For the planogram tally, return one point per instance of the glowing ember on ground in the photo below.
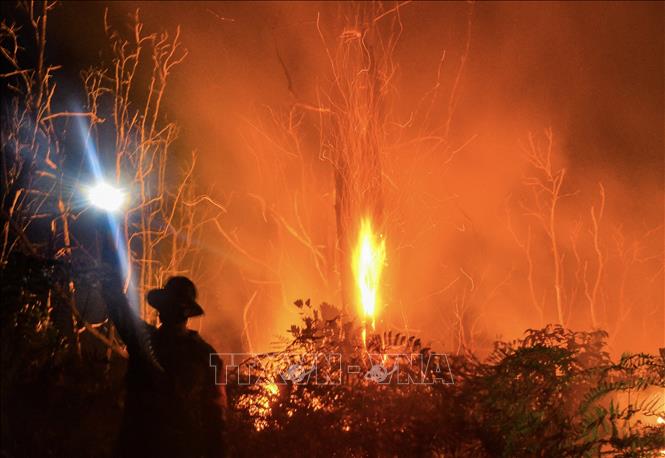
(259, 404)
(369, 256)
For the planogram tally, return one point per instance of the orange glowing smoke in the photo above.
(369, 257)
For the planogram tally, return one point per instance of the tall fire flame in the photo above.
(369, 256)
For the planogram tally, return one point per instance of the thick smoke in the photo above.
(591, 72)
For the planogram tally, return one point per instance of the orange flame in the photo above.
(369, 257)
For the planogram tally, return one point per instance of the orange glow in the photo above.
(259, 405)
(437, 154)
(661, 421)
(369, 257)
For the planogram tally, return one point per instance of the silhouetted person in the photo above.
(173, 407)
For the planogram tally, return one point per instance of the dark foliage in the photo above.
(60, 391)
(554, 392)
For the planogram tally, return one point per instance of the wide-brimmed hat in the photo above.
(177, 295)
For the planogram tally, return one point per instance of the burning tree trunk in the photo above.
(352, 204)
(357, 132)
(362, 69)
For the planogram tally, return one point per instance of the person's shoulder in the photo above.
(201, 342)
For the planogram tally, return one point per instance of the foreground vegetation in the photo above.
(555, 392)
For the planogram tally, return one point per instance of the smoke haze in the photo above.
(592, 72)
